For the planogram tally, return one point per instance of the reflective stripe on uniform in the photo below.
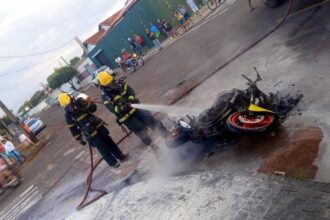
(131, 98)
(77, 137)
(107, 102)
(99, 125)
(132, 111)
(88, 105)
(123, 119)
(71, 125)
(94, 134)
(117, 97)
(126, 87)
(117, 110)
(81, 117)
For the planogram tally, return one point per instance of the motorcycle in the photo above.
(235, 112)
(12, 180)
(136, 59)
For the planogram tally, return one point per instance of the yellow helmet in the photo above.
(104, 78)
(64, 99)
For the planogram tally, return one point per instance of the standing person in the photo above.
(178, 16)
(139, 42)
(168, 28)
(11, 151)
(159, 24)
(184, 11)
(192, 5)
(155, 30)
(133, 46)
(118, 96)
(154, 39)
(85, 126)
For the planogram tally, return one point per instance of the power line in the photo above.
(35, 54)
(26, 68)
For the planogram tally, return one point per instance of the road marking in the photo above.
(79, 155)
(21, 203)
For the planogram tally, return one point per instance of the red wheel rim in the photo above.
(251, 121)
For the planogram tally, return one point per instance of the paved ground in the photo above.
(295, 54)
(214, 195)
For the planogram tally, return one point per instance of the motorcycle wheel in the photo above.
(180, 30)
(14, 182)
(212, 4)
(272, 3)
(140, 61)
(143, 52)
(244, 122)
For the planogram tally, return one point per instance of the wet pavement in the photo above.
(295, 57)
(213, 195)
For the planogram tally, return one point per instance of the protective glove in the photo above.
(82, 142)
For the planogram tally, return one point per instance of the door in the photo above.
(103, 59)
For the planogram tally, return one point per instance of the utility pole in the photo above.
(85, 50)
(66, 62)
(16, 121)
(6, 128)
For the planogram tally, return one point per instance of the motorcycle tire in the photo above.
(212, 4)
(272, 3)
(180, 30)
(243, 122)
(143, 52)
(140, 62)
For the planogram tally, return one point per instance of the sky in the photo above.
(33, 26)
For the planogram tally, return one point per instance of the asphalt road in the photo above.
(297, 53)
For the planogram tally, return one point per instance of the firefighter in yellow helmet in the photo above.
(85, 126)
(118, 96)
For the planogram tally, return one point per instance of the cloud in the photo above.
(33, 26)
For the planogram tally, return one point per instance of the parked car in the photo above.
(35, 124)
(101, 69)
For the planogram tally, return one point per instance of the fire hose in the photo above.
(93, 167)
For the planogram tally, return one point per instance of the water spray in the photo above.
(168, 109)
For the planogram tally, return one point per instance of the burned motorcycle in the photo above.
(249, 111)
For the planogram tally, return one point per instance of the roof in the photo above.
(110, 23)
(97, 37)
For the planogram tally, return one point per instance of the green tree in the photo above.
(6, 120)
(37, 97)
(74, 61)
(60, 76)
(25, 104)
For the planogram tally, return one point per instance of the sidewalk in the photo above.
(204, 11)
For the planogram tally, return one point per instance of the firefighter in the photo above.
(118, 96)
(84, 126)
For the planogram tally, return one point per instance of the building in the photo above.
(105, 45)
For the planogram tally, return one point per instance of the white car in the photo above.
(35, 124)
(101, 69)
